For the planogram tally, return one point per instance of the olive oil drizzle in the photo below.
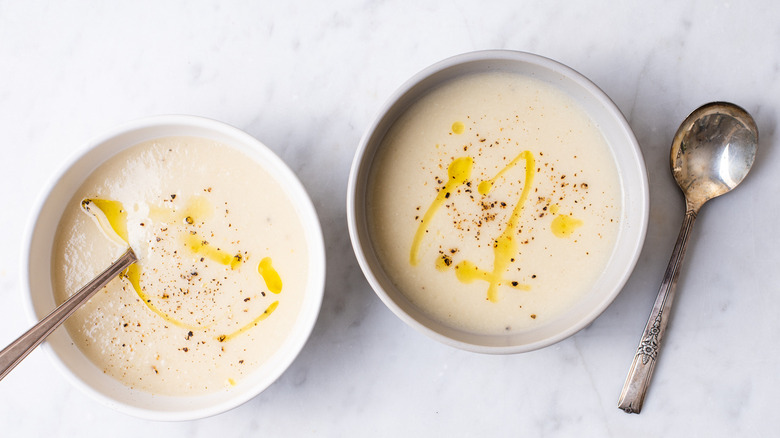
(458, 128)
(266, 313)
(197, 208)
(133, 275)
(564, 225)
(458, 172)
(204, 248)
(505, 246)
(486, 186)
(111, 217)
(270, 276)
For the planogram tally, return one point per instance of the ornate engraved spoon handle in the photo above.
(20, 348)
(638, 379)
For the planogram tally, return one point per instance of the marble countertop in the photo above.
(306, 78)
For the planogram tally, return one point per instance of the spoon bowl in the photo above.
(712, 152)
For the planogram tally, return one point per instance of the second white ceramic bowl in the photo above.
(633, 186)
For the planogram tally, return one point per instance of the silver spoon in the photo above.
(20, 348)
(712, 152)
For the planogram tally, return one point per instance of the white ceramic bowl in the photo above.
(632, 176)
(38, 255)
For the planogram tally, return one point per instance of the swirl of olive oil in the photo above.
(565, 225)
(505, 246)
(458, 172)
(111, 217)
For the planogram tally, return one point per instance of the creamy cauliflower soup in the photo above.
(493, 203)
(220, 277)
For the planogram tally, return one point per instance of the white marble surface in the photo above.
(306, 78)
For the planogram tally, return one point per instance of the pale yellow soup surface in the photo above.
(221, 272)
(492, 259)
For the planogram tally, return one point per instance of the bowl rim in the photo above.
(365, 150)
(296, 193)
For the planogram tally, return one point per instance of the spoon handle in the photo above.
(20, 348)
(638, 379)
